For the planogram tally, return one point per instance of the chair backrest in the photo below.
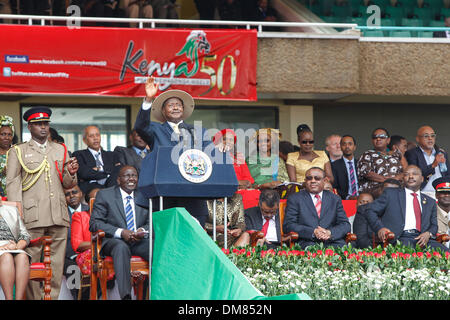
(16, 204)
(91, 204)
(282, 207)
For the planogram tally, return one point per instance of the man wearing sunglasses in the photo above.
(317, 215)
(429, 158)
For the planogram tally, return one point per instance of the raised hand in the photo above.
(151, 88)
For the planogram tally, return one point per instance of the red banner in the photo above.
(209, 64)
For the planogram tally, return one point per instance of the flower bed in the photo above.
(394, 273)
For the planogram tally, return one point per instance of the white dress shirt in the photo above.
(271, 234)
(437, 173)
(410, 217)
(124, 196)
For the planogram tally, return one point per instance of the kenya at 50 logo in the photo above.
(198, 67)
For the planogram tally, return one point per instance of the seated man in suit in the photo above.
(96, 164)
(73, 197)
(265, 217)
(345, 170)
(317, 215)
(442, 187)
(429, 158)
(133, 154)
(364, 233)
(407, 212)
(124, 224)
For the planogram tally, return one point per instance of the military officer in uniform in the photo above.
(37, 171)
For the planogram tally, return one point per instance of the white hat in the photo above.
(188, 104)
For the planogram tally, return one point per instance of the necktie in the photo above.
(417, 211)
(318, 205)
(129, 214)
(176, 129)
(265, 226)
(142, 154)
(352, 178)
(99, 164)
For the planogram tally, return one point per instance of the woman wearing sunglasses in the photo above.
(378, 164)
(299, 162)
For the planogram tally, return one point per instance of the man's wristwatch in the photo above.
(431, 235)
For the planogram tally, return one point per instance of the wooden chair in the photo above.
(441, 238)
(289, 238)
(39, 271)
(103, 267)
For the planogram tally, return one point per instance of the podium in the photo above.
(160, 175)
(172, 172)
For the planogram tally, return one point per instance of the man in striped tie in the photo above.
(317, 215)
(125, 226)
(345, 170)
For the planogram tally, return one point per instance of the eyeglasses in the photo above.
(68, 193)
(307, 141)
(428, 136)
(317, 178)
(380, 136)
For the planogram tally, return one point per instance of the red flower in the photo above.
(319, 252)
(226, 251)
(329, 252)
(345, 253)
(329, 263)
(420, 254)
(249, 253)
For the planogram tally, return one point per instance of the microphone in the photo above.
(190, 129)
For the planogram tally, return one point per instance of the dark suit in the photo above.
(389, 211)
(86, 173)
(254, 221)
(301, 217)
(340, 174)
(161, 134)
(108, 214)
(415, 156)
(364, 233)
(127, 156)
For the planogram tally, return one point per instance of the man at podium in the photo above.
(170, 108)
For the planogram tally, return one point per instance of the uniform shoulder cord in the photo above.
(32, 175)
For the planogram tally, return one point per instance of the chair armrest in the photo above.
(41, 241)
(255, 235)
(442, 237)
(350, 237)
(290, 238)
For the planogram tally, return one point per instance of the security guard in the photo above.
(442, 187)
(36, 173)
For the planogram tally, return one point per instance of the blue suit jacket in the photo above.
(301, 216)
(415, 156)
(389, 211)
(161, 134)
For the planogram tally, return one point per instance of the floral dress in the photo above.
(384, 165)
(3, 175)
